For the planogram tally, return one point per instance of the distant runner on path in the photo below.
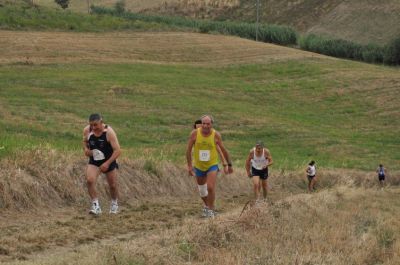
(204, 142)
(100, 144)
(381, 174)
(311, 176)
(257, 163)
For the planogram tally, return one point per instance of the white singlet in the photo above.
(311, 170)
(259, 162)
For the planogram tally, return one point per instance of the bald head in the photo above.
(207, 118)
(206, 124)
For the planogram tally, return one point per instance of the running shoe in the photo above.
(204, 211)
(210, 213)
(114, 208)
(95, 210)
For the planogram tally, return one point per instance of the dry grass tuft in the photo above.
(44, 177)
(347, 221)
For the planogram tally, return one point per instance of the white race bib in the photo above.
(98, 155)
(204, 155)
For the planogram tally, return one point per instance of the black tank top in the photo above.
(100, 143)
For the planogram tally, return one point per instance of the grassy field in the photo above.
(150, 87)
(340, 113)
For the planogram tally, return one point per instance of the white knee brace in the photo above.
(203, 190)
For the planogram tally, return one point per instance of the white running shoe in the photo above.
(210, 213)
(204, 212)
(114, 208)
(95, 210)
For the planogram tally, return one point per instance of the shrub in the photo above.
(120, 7)
(63, 3)
(370, 53)
(373, 53)
(392, 52)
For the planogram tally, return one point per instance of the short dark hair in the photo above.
(260, 143)
(196, 122)
(95, 117)
(312, 162)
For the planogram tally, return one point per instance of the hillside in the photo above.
(43, 217)
(344, 113)
(132, 5)
(150, 87)
(362, 21)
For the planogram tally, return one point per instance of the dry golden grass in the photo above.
(348, 221)
(128, 47)
(340, 226)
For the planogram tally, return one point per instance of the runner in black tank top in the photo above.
(102, 150)
(100, 145)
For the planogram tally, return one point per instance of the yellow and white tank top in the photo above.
(205, 151)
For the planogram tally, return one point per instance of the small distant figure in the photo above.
(381, 174)
(257, 163)
(311, 176)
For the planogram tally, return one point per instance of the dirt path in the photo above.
(24, 235)
(27, 236)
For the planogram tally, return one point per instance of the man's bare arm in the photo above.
(112, 138)
(269, 157)
(248, 163)
(85, 145)
(218, 141)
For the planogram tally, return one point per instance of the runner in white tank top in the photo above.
(257, 163)
(311, 172)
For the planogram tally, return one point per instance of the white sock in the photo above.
(96, 202)
(115, 202)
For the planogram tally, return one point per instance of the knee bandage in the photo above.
(203, 190)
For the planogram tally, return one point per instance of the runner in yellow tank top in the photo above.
(205, 151)
(205, 141)
(197, 124)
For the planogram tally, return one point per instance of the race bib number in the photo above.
(204, 155)
(98, 155)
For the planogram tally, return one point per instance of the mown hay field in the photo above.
(150, 87)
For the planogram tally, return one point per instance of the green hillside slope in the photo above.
(152, 86)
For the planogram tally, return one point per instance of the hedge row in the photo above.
(371, 53)
(268, 33)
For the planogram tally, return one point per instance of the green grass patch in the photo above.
(293, 107)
